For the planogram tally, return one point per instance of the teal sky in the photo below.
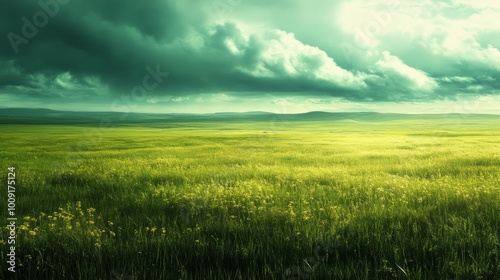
(284, 56)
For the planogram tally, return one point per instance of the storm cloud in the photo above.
(92, 52)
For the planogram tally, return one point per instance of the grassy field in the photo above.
(360, 197)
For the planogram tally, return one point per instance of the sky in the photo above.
(288, 56)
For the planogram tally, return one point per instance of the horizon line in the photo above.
(242, 112)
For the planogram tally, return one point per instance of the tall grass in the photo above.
(313, 200)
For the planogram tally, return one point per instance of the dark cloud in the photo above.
(247, 48)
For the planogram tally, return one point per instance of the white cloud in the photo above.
(457, 79)
(231, 45)
(273, 53)
(283, 55)
(458, 37)
(395, 69)
(449, 29)
(463, 45)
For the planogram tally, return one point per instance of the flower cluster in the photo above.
(70, 224)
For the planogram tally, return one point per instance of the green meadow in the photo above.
(313, 196)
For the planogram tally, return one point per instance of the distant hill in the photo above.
(45, 116)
